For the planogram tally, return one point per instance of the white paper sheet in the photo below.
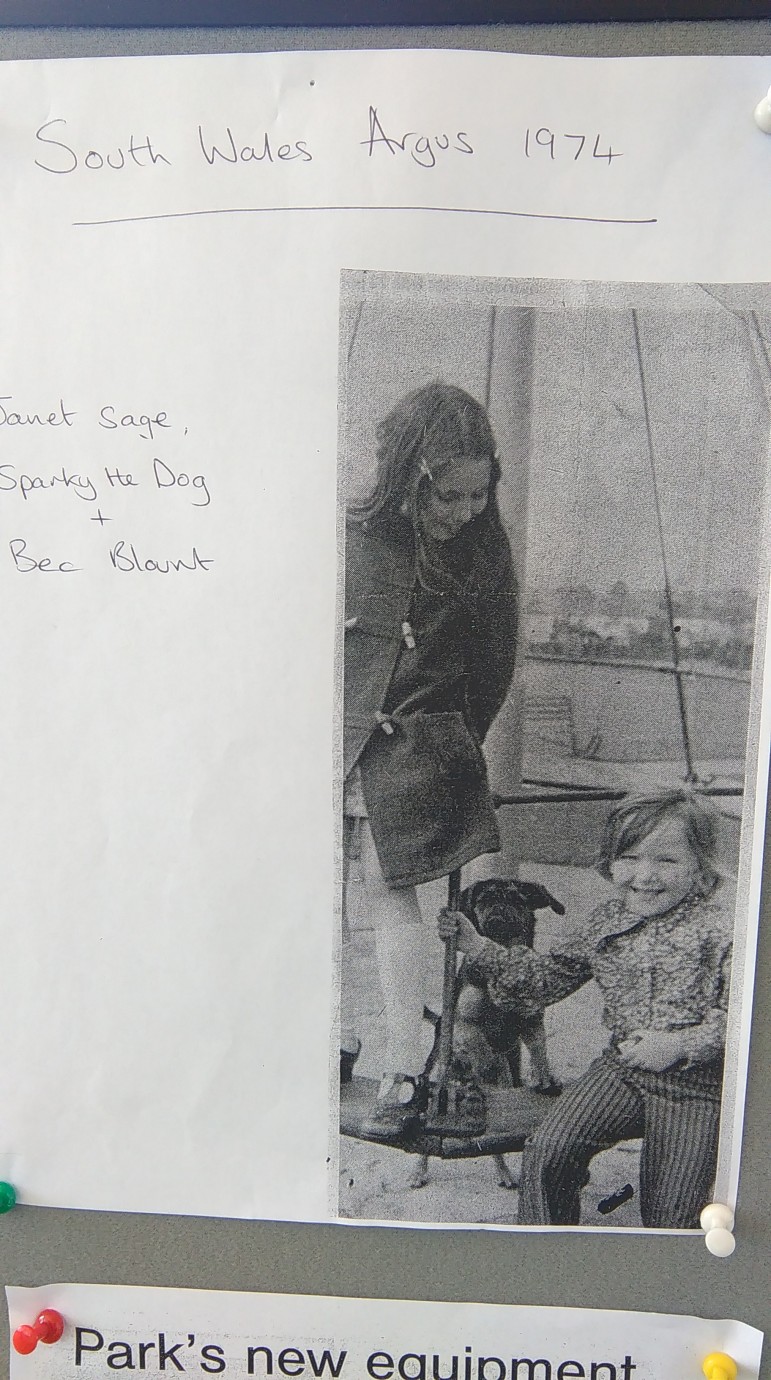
(174, 231)
(219, 1333)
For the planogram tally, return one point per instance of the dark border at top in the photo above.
(315, 13)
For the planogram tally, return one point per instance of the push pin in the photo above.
(717, 1221)
(7, 1197)
(47, 1327)
(763, 113)
(718, 1366)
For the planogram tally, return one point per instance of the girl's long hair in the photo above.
(419, 436)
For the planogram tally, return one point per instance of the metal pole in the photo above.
(580, 796)
(668, 603)
(448, 997)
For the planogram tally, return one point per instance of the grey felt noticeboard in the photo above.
(574, 1269)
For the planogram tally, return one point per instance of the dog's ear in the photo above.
(538, 898)
(467, 900)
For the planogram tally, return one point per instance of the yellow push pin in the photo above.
(718, 1366)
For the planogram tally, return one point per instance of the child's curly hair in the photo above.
(639, 815)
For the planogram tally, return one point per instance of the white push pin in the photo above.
(717, 1221)
(763, 113)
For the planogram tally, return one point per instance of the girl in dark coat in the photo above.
(430, 622)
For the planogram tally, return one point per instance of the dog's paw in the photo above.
(503, 1175)
(548, 1087)
(420, 1175)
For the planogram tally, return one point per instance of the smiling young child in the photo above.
(659, 951)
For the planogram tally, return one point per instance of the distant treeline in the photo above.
(577, 622)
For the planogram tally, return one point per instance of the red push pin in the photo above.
(25, 1340)
(47, 1327)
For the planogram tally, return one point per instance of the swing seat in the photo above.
(512, 1115)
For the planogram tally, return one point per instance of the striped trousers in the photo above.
(677, 1114)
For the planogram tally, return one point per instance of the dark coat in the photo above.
(423, 773)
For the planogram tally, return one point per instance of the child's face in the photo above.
(458, 493)
(658, 872)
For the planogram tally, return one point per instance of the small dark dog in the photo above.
(486, 1040)
(503, 911)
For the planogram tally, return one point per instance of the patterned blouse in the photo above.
(667, 972)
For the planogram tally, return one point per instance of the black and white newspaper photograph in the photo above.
(555, 572)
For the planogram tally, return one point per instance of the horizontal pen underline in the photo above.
(445, 210)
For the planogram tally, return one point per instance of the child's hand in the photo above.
(454, 922)
(654, 1050)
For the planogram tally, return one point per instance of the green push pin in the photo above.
(7, 1197)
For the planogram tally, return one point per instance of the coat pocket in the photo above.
(428, 799)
